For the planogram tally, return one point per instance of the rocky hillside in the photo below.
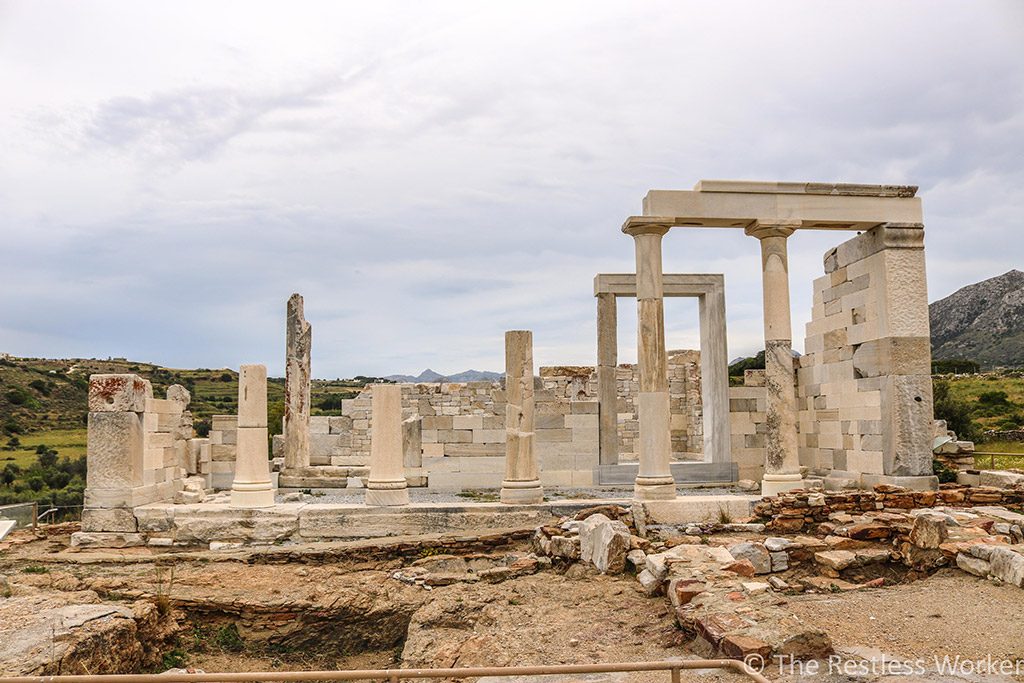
(982, 322)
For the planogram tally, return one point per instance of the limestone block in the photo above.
(973, 565)
(114, 450)
(162, 406)
(489, 436)
(907, 407)
(338, 424)
(85, 539)
(223, 423)
(755, 553)
(118, 393)
(468, 422)
(179, 394)
(604, 543)
(929, 531)
(893, 356)
(109, 520)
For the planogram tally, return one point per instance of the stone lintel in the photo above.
(687, 208)
(783, 187)
(674, 284)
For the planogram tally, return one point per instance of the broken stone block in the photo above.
(118, 393)
(741, 567)
(1007, 566)
(774, 544)
(604, 543)
(780, 561)
(973, 565)
(650, 583)
(778, 583)
(835, 559)
(740, 647)
(567, 547)
(681, 591)
(755, 553)
(637, 559)
(929, 531)
(179, 394)
(755, 587)
(85, 539)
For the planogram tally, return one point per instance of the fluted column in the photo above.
(607, 368)
(386, 484)
(782, 462)
(251, 486)
(522, 474)
(654, 480)
(298, 344)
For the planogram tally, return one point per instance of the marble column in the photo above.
(299, 337)
(386, 484)
(522, 474)
(781, 462)
(607, 367)
(654, 480)
(251, 487)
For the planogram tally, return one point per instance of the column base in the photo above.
(774, 484)
(654, 488)
(387, 497)
(521, 492)
(253, 497)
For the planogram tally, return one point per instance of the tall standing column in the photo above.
(714, 369)
(299, 338)
(654, 480)
(607, 367)
(781, 462)
(251, 487)
(386, 484)
(522, 475)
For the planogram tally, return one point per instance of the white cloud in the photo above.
(429, 175)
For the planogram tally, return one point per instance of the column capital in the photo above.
(763, 229)
(640, 225)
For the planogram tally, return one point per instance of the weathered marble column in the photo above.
(386, 484)
(299, 337)
(654, 480)
(251, 487)
(607, 367)
(782, 462)
(522, 474)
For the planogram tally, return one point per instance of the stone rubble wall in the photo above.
(806, 511)
(864, 383)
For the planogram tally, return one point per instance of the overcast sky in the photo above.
(429, 175)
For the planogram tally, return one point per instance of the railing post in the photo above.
(676, 678)
(35, 517)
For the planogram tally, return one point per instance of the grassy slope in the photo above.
(61, 403)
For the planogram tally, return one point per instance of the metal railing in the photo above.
(395, 675)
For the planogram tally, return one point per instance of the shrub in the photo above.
(40, 386)
(18, 396)
(945, 474)
(993, 398)
(956, 413)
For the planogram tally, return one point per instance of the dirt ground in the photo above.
(243, 616)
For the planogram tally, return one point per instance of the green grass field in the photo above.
(68, 443)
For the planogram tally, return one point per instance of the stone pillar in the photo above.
(386, 484)
(782, 462)
(654, 480)
(114, 482)
(607, 367)
(522, 474)
(251, 487)
(714, 368)
(299, 337)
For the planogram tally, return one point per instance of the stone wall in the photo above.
(462, 427)
(747, 424)
(219, 469)
(140, 450)
(864, 383)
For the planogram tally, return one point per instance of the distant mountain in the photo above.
(983, 322)
(429, 375)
